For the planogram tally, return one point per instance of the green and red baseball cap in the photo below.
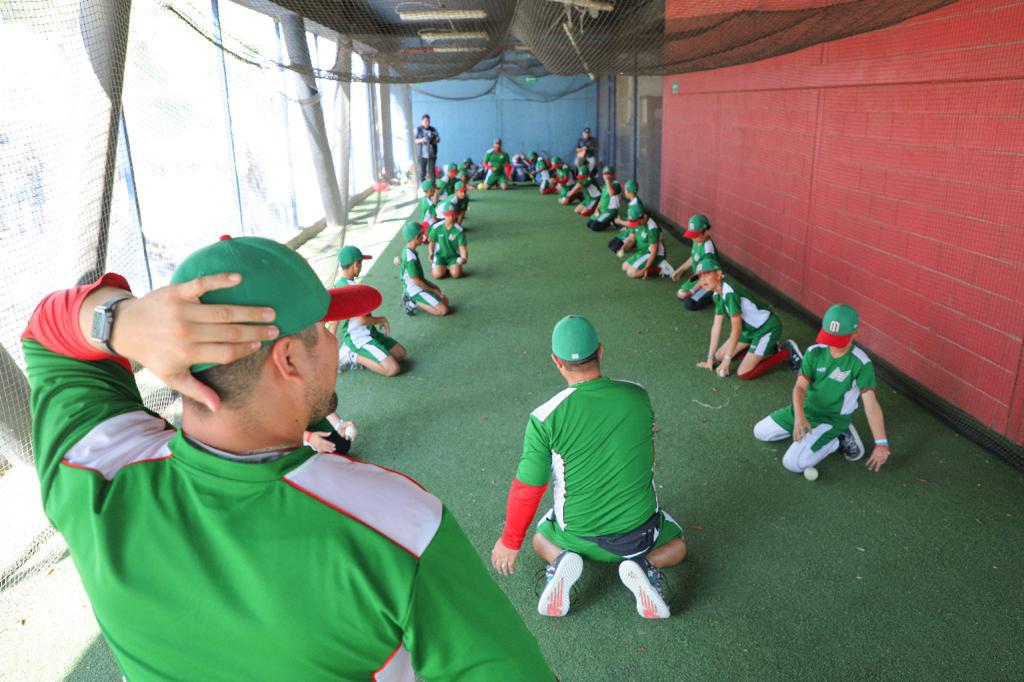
(634, 212)
(838, 326)
(607, 170)
(411, 231)
(277, 277)
(556, 160)
(697, 225)
(706, 264)
(427, 185)
(350, 254)
(574, 338)
(460, 185)
(631, 186)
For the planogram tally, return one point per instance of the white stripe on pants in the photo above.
(799, 455)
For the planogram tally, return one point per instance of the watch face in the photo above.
(100, 325)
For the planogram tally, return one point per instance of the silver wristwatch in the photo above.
(103, 322)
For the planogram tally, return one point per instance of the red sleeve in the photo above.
(508, 170)
(523, 501)
(54, 323)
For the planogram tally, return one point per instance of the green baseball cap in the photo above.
(574, 338)
(532, 155)
(616, 187)
(556, 160)
(698, 223)
(497, 140)
(453, 167)
(275, 276)
(411, 231)
(706, 264)
(467, 161)
(460, 185)
(440, 183)
(350, 254)
(634, 212)
(631, 186)
(427, 185)
(541, 164)
(838, 326)
(607, 170)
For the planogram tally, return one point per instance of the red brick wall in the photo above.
(886, 171)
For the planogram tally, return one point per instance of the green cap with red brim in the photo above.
(350, 254)
(411, 231)
(634, 212)
(573, 339)
(697, 225)
(277, 277)
(607, 170)
(706, 264)
(838, 326)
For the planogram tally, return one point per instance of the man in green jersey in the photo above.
(448, 252)
(364, 338)
(691, 293)
(417, 291)
(754, 328)
(227, 548)
(498, 165)
(834, 375)
(645, 235)
(605, 505)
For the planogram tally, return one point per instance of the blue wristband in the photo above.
(882, 441)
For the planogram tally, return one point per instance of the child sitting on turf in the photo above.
(364, 339)
(834, 375)
(448, 182)
(448, 252)
(471, 171)
(544, 177)
(498, 165)
(579, 191)
(338, 440)
(754, 328)
(416, 290)
(650, 250)
(458, 204)
(691, 293)
(562, 177)
(608, 203)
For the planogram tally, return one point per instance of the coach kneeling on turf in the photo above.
(603, 473)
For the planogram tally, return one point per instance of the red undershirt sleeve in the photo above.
(523, 501)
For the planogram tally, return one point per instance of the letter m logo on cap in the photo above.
(834, 326)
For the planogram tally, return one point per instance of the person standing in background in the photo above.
(427, 140)
(586, 150)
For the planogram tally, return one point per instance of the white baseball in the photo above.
(811, 474)
(398, 261)
(460, 260)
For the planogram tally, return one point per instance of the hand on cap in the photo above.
(169, 330)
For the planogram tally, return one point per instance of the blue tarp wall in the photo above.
(545, 115)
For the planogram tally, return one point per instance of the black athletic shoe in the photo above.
(851, 445)
(408, 305)
(795, 356)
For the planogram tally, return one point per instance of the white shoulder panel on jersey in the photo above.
(119, 441)
(727, 288)
(383, 500)
(709, 247)
(627, 381)
(398, 668)
(813, 346)
(545, 410)
(861, 355)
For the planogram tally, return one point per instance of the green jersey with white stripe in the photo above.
(698, 250)
(836, 383)
(447, 240)
(594, 442)
(606, 204)
(204, 565)
(735, 300)
(427, 209)
(647, 235)
(411, 268)
(354, 334)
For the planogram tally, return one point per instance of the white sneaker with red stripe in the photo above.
(561, 575)
(643, 580)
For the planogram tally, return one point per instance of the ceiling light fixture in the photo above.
(437, 36)
(459, 48)
(595, 5)
(441, 14)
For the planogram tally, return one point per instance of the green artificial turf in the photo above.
(911, 573)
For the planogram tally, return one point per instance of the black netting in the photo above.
(535, 37)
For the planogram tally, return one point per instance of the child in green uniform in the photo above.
(448, 181)
(645, 235)
(754, 328)
(834, 375)
(563, 182)
(364, 339)
(448, 252)
(608, 203)
(416, 290)
(498, 165)
(580, 191)
(602, 474)
(691, 293)
(427, 211)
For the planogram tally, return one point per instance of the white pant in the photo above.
(799, 455)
